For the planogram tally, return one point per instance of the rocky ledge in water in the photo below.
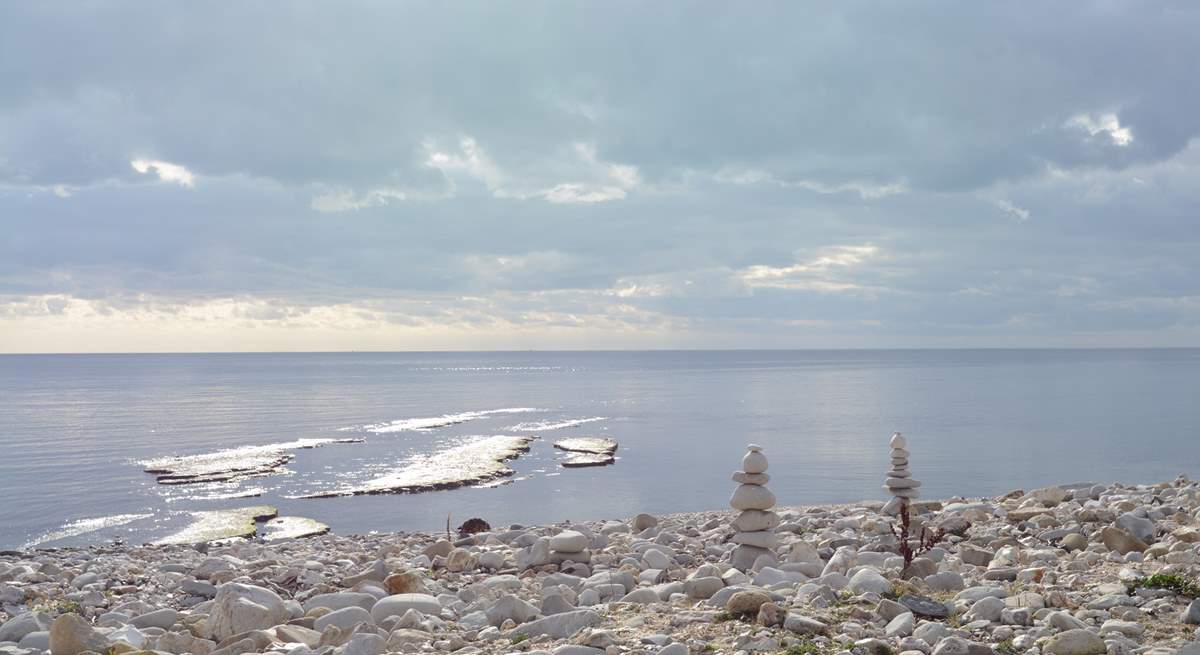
(232, 463)
(478, 461)
(222, 524)
(1073, 570)
(587, 451)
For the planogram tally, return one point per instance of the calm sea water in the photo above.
(74, 427)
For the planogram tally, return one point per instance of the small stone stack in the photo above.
(899, 482)
(570, 546)
(755, 525)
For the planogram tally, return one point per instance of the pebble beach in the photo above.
(1079, 569)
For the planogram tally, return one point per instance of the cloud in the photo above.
(1106, 124)
(864, 190)
(166, 171)
(395, 170)
(1008, 207)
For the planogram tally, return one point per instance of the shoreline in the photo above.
(1060, 570)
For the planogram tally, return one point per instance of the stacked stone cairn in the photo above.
(899, 481)
(570, 546)
(754, 527)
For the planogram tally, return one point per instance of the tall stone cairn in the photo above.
(900, 482)
(755, 524)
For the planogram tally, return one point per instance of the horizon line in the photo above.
(593, 350)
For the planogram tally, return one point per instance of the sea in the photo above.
(77, 432)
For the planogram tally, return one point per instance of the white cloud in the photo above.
(865, 190)
(602, 181)
(1008, 207)
(574, 194)
(470, 159)
(166, 171)
(821, 273)
(1107, 124)
(341, 200)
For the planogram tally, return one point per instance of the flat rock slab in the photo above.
(559, 626)
(292, 527)
(473, 462)
(231, 464)
(222, 524)
(580, 460)
(593, 445)
(924, 607)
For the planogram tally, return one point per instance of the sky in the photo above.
(249, 176)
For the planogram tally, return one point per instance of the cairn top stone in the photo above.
(898, 441)
(754, 462)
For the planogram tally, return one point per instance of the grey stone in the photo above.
(804, 625)
(1075, 642)
(345, 618)
(559, 626)
(1191, 615)
(924, 607)
(398, 604)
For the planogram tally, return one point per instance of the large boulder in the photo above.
(1121, 541)
(71, 635)
(1138, 526)
(240, 608)
(1075, 642)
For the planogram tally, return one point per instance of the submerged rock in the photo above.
(481, 460)
(222, 524)
(292, 527)
(231, 463)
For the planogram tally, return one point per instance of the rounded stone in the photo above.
(568, 541)
(750, 478)
(902, 483)
(754, 448)
(898, 441)
(754, 462)
(746, 602)
(761, 539)
(755, 520)
(1075, 642)
(752, 496)
(644, 522)
(345, 618)
(406, 582)
(398, 604)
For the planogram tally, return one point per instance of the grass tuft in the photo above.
(1174, 582)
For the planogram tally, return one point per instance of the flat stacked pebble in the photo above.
(900, 482)
(755, 526)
